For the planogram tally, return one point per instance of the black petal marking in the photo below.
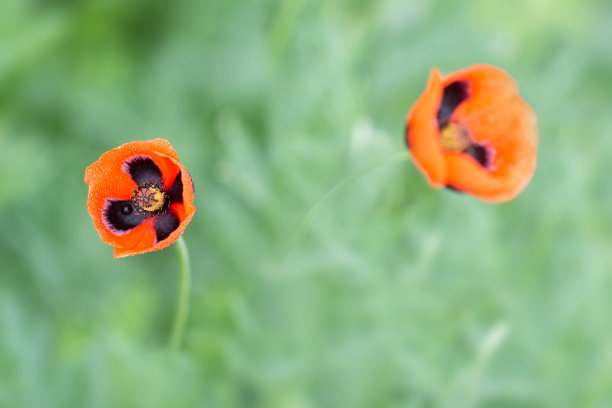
(142, 169)
(175, 192)
(165, 224)
(454, 94)
(478, 152)
(119, 216)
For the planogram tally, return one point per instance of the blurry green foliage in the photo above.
(398, 296)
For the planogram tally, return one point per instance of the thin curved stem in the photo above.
(182, 304)
(316, 209)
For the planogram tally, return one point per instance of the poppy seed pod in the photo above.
(140, 197)
(471, 132)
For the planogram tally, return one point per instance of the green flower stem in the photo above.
(182, 304)
(316, 209)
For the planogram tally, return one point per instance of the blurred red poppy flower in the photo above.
(140, 197)
(470, 131)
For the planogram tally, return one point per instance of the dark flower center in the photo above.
(150, 199)
(456, 136)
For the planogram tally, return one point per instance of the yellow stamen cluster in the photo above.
(455, 137)
(150, 197)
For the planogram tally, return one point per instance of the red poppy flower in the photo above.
(470, 131)
(140, 197)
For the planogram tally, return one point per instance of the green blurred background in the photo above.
(399, 295)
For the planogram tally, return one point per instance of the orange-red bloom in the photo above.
(471, 131)
(140, 197)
